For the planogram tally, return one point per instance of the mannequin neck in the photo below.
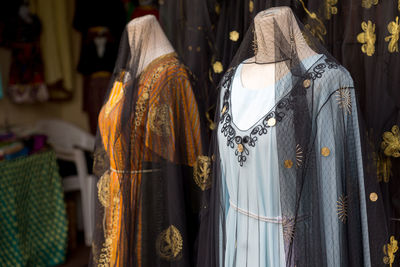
(147, 39)
(266, 23)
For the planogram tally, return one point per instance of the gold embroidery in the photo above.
(342, 208)
(299, 156)
(330, 8)
(211, 124)
(325, 151)
(369, 3)
(234, 36)
(383, 168)
(103, 189)
(391, 142)
(217, 8)
(393, 39)
(251, 6)
(159, 120)
(367, 38)
(315, 25)
(169, 244)
(389, 250)
(373, 196)
(217, 66)
(288, 164)
(202, 171)
(288, 229)
(343, 97)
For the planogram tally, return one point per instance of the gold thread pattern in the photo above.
(368, 3)
(299, 156)
(373, 197)
(367, 38)
(234, 36)
(217, 67)
(325, 152)
(288, 164)
(202, 172)
(330, 8)
(342, 206)
(169, 244)
(393, 39)
(315, 25)
(103, 189)
(159, 120)
(389, 250)
(343, 97)
(391, 142)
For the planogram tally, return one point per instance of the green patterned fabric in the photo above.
(33, 223)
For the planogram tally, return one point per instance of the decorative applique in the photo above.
(288, 229)
(169, 244)
(393, 39)
(314, 25)
(202, 172)
(389, 250)
(391, 142)
(342, 207)
(299, 156)
(241, 144)
(330, 8)
(159, 120)
(234, 36)
(367, 38)
(368, 3)
(103, 189)
(217, 67)
(343, 97)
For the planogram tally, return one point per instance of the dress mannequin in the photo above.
(262, 75)
(157, 44)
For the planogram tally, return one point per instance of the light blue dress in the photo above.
(255, 229)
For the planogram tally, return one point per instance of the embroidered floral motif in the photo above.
(342, 208)
(314, 25)
(393, 39)
(159, 120)
(367, 38)
(391, 142)
(202, 171)
(330, 8)
(169, 244)
(368, 3)
(343, 97)
(242, 143)
(389, 250)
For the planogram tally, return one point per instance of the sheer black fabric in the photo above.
(326, 208)
(147, 145)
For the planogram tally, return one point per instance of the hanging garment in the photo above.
(289, 183)
(148, 143)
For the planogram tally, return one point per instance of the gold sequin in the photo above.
(251, 6)
(393, 39)
(306, 83)
(288, 164)
(373, 196)
(325, 151)
(342, 208)
(367, 38)
(368, 3)
(271, 122)
(169, 244)
(202, 171)
(217, 66)
(240, 148)
(234, 36)
(389, 250)
(391, 142)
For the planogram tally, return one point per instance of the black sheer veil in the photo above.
(330, 212)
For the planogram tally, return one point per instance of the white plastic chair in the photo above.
(69, 143)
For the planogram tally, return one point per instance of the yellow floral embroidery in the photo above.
(391, 142)
(315, 25)
(369, 3)
(217, 66)
(251, 6)
(342, 208)
(330, 8)
(202, 171)
(393, 39)
(389, 250)
(367, 38)
(234, 36)
(169, 244)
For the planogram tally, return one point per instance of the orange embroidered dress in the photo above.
(150, 135)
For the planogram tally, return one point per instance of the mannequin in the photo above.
(156, 44)
(262, 75)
